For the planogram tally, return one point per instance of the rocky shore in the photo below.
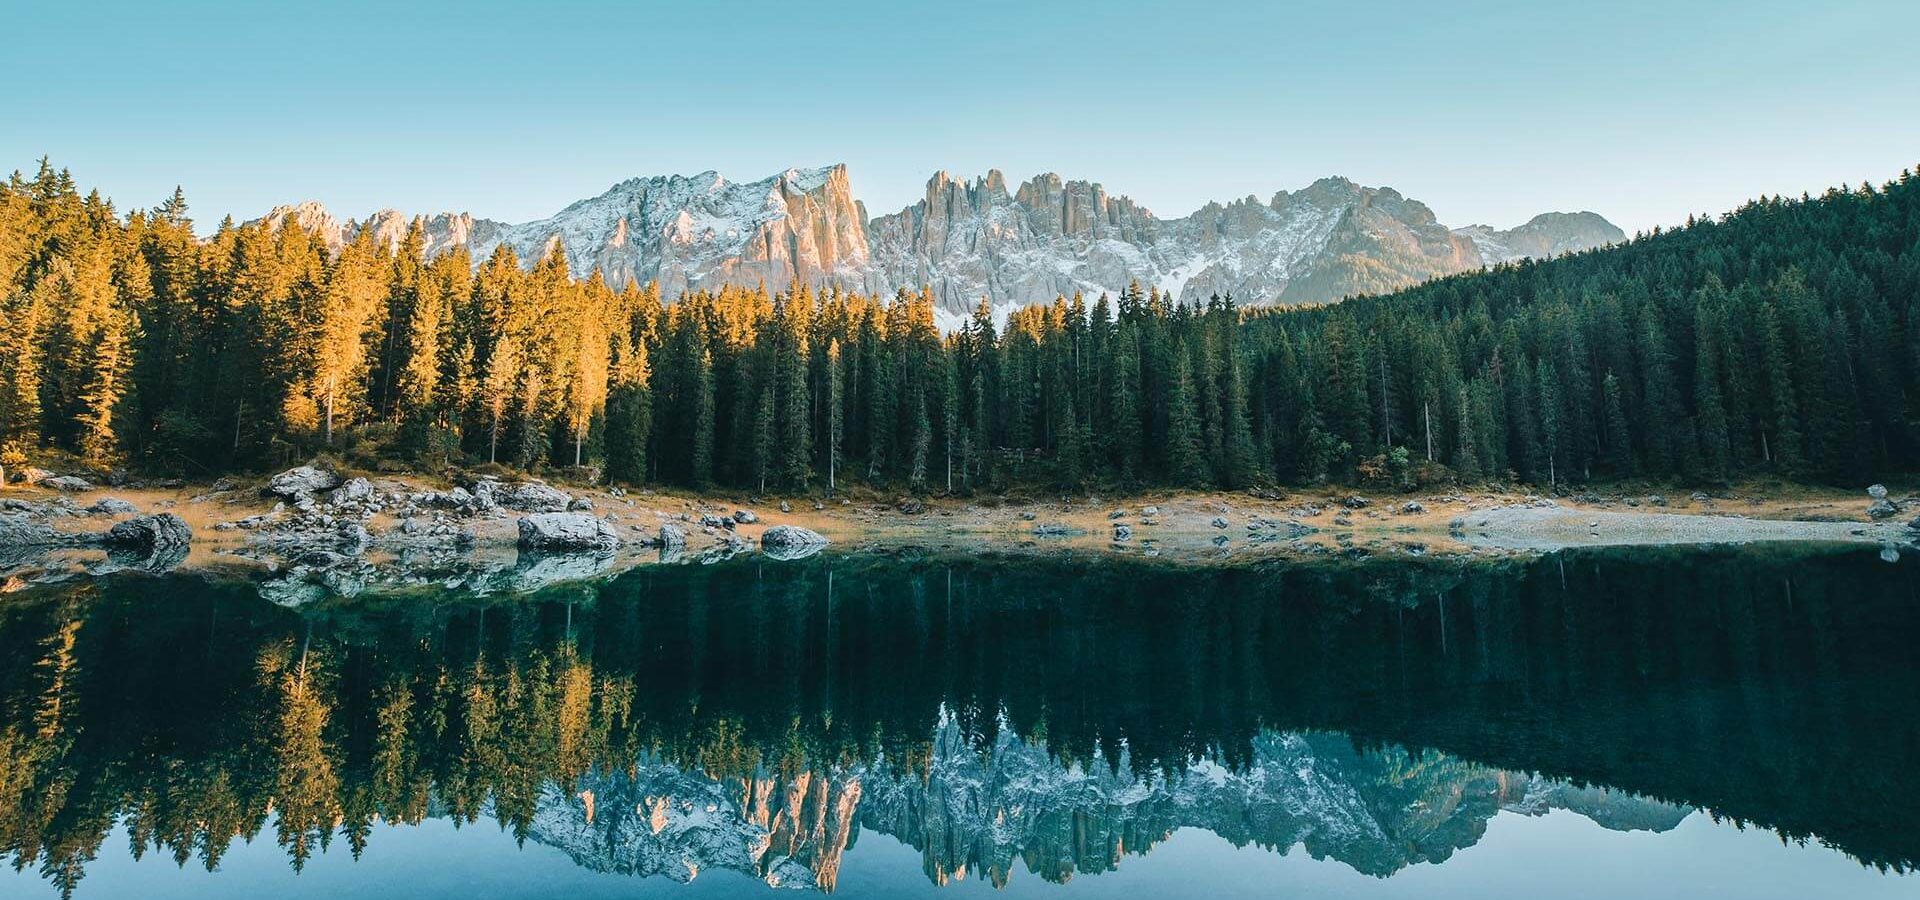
(312, 532)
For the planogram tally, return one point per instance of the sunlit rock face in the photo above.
(985, 810)
(660, 820)
(969, 240)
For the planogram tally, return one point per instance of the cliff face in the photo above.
(974, 239)
(687, 233)
(985, 811)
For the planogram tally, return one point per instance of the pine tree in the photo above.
(106, 386)
(836, 414)
(703, 420)
(497, 390)
(1185, 463)
(629, 414)
(1619, 443)
(1710, 416)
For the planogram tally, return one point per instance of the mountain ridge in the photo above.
(973, 238)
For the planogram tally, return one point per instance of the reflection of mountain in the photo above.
(660, 820)
(994, 715)
(1016, 805)
(1377, 812)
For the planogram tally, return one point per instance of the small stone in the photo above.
(1219, 522)
(1877, 492)
(745, 516)
(1122, 531)
(111, 506)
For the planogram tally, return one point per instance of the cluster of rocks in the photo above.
(1880, 507)
(1262, 530)
(154, 543)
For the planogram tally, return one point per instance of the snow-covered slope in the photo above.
(975, 239)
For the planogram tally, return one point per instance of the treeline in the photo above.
(1782, 338)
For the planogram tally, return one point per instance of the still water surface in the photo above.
(1655, 724)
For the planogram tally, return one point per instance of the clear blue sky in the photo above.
(1488, 112)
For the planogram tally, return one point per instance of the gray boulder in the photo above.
(791, 542)
(155, 533)
(1122, 531)
(1882, 509)
(673, 537)
(532, 496)
(1877, 492)
(1219, 521)
(69, 483)
(302, 482)
(566, 532)
(745, 516)
(355, 491)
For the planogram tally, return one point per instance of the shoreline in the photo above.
(404, 533)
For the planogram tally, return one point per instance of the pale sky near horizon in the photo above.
(1488, 112)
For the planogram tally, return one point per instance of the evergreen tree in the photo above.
(1185, 463)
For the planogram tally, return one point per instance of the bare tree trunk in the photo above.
(327, 430)
(1426, 410)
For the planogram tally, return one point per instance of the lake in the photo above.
(1664, 723)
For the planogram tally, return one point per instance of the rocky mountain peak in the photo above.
(969, 238)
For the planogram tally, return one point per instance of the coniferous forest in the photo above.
(1780, 339)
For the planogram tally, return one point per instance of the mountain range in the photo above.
(978, 238)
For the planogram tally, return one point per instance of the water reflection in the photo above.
(997, 717)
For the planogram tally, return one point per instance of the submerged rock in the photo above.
(564, 532)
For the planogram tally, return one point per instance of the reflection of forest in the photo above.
(758, 716)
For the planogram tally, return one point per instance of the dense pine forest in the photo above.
(1781, 339)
